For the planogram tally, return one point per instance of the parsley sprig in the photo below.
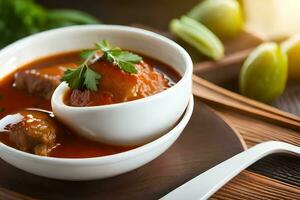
(83, 77)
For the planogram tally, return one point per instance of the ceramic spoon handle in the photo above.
(207, 183)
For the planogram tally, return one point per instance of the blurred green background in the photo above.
(154, 13)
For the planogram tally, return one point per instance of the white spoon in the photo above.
(207, 183)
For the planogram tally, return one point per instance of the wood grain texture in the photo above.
(289, 100)
(247, 39)
(235, 59)
(246, 186)
(6, 194)
(252, 186)
(148, 13)
(274, 166)
(255, 131)
(216, 95)
(280, 171)
(228, 67)
(285, 168)
(206, 141)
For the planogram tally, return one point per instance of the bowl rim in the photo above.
(133, 30)
(108, 159)
(57, 99)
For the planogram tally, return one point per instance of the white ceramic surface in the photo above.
(95, 168)
(130, 123)
(206, 184)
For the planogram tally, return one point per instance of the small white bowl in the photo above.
(130, 123)
(94, 168)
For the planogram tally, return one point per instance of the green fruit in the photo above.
(292, 48)
(223, 17)
(198, 36)
(264, 73)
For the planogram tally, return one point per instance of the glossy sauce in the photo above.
(69, 145)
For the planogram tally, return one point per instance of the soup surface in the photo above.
(32, 85)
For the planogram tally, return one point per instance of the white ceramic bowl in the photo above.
(130, 123)
(94, 168)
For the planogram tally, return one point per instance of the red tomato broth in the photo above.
(117, 86)
(74, 146)
(69, 145)
(14, 100)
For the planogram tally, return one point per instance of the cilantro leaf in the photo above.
(103, 45)
(126, 56)
(82, 78)
(85, 78)
(91, 79)
(125, 60)
(73, 77)
(127, 67)
(87, 54)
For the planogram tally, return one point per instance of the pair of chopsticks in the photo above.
(213, 94)
(216, 95)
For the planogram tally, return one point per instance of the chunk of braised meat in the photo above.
(41, 82)
(82, 98)
(117, 86)
(125, 86)
(35, 133)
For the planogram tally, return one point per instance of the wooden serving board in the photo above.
(273, 177)
(277, 176)
(206, 141)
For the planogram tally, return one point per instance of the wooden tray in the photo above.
(206, 141)
(225, 72)
(277, 176)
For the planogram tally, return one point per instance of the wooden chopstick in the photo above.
(231, 99)
(232, 59)
(245, 100)
(216, 95)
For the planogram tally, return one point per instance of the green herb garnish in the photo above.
(125, 60)
(1, 96)
(85, 78)
(2, 109)
(19, 18)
